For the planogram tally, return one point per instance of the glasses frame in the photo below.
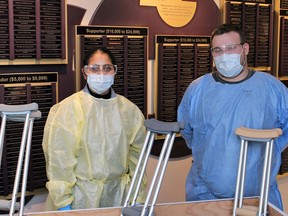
(225, 49)
(86, 68)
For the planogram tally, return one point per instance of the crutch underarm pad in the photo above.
(161, 127)
(18, 108)
(256, 134)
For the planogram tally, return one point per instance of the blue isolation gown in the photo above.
(212, 110)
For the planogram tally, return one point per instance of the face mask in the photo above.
(228, 65)
(100, 83)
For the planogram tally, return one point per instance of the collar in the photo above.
(86, 90)
(105, 96)
(217, 78)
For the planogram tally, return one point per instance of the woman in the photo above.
(92, 141)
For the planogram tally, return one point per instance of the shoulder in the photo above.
(266, 76)
(196, 89)
(128, 106)
(200, 81)
(263, 76)
(270, 82)
(125, 101)
(72, 100)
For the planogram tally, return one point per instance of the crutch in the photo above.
(153, 127)
(262, 136)
(19, 113)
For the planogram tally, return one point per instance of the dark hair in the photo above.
(104, 50)
(226, 28)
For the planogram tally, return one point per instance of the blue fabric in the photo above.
(211, 112)
(68, 207)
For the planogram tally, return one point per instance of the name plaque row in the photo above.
(180, 60)
(33, 32)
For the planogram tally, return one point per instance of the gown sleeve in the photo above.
(60, 140)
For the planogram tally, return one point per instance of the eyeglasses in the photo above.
(106, 68)
(230, 48)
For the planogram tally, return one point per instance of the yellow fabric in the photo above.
(91, 148)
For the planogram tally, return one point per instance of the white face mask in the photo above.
(100, 83)
(228, 65)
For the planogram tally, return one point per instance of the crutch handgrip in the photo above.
(36, 115)
(5, 205)
(132, 211)
(160, 127)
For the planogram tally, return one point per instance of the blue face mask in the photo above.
(228, 65)
(100, 83)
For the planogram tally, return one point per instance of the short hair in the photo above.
(104, 50)
(226, 28)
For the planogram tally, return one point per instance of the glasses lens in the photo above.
(94, 68)
(216, 50)
(230, 48)
(108, 68)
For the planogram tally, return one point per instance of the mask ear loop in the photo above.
(245, 53)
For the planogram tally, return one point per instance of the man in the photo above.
(217, 103)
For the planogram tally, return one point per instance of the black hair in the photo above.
(104, 50)
(226, 28)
